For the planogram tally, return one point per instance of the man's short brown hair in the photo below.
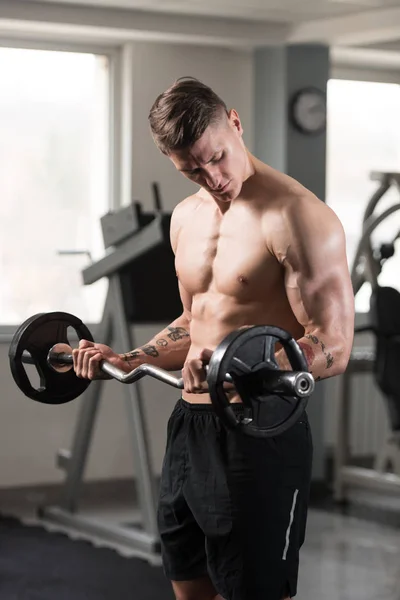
(181, 114)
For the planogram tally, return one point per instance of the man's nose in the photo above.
(213, 179)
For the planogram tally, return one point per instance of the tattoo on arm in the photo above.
(177, 333)
(150, 350)
(130, 355)
(328, 356)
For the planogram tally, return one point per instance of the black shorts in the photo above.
(232, 506)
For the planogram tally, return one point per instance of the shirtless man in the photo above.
(252, 246)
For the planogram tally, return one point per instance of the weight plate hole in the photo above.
(33, 375)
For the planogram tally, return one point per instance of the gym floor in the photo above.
(345, 557)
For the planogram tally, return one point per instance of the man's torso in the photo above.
(224, 261)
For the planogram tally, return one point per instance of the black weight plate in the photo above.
(38, 335)
(247, 354)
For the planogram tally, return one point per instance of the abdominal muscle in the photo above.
(220, 316)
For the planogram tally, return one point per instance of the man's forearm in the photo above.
(168, 349)
(325, 358)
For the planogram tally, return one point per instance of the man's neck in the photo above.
(251, 167)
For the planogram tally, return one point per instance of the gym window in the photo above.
(54, 183)
(363, 136)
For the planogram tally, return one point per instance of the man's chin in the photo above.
(225, 198)
(230, 194)
(227, 195)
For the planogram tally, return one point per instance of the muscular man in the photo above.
(252, 246)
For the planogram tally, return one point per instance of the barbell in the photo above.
(273, 400)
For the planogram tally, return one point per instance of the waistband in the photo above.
(205, 407)
(237, 407)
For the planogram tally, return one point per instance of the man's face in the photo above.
(218, 160)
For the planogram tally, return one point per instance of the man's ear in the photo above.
(235, 122)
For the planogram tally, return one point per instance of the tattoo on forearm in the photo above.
(150, 350)
(177, 333)
(328, 356)
(130, 355)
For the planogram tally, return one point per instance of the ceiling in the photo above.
(230, 23)
(286, 11)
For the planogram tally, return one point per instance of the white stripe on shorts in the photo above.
(296, 492)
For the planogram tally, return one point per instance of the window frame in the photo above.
(119, 119)
(372, 75)
(365, 64)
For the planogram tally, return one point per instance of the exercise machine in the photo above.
(383, 360)
(136, 243)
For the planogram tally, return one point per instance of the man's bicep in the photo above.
(322, 301)
(186, 299)
(174, 227)
(317, 278)
(181, 213)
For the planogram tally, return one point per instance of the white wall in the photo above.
(30, 433)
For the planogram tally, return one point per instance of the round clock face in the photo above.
(308, 111)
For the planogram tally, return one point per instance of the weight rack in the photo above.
(134, 240)
(366, 267)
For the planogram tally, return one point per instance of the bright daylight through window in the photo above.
(54, 180)
(364, 136)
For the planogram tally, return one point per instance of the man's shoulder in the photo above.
(181, 214)
(186, 206)
(279, 190)
(292, 210)
(291, 196)
(303, 214)
(302, 203)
